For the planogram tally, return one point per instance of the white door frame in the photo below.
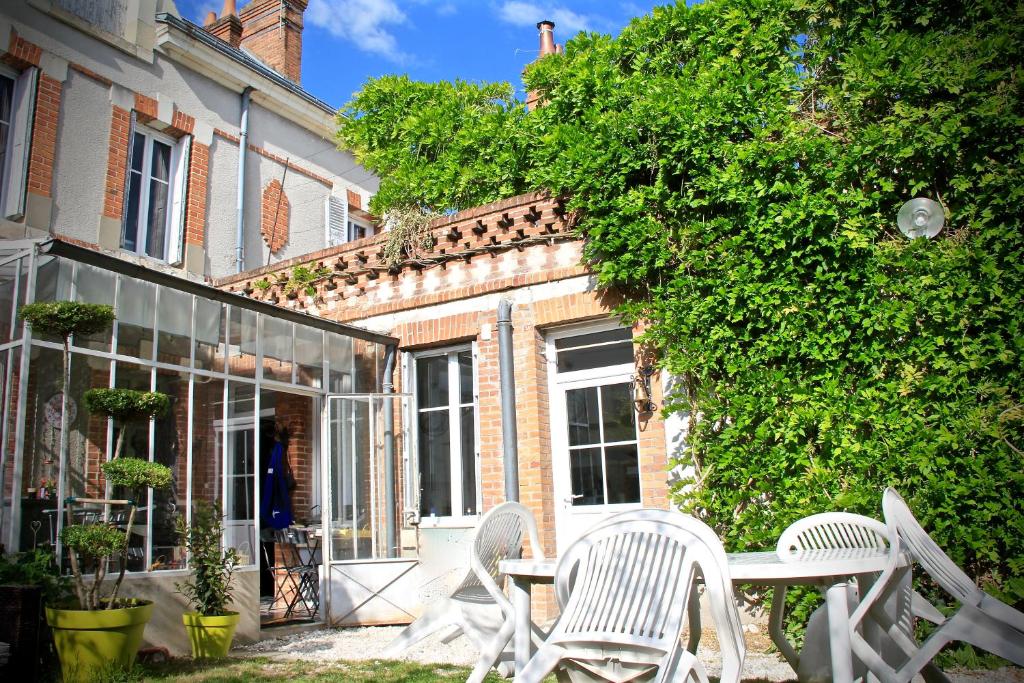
(571, 522)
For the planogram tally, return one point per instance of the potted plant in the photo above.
(105, 630)
(211, 627)
(27, 581)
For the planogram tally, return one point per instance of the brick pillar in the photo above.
(117, 163)
(44, 136)
(195, 212)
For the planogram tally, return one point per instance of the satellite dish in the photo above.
(921, 217)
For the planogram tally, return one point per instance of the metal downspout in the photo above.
(390, 352)
(243, 146)
(509, 435)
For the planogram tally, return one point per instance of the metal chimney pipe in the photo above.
(506, 368)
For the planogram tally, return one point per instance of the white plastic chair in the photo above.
(624, 588)
(982, 621)
(477, 607)
(825, 531)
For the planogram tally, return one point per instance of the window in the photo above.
(155, 195)
(446, 433)
(357, 231)
(17, 102)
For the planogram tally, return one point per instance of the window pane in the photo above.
(339, 356)
(171, 438)
(432, 381)
(6, 93)
(585, 472)
(159, 192)
(131, 216)
(242, 337)
(595, 357)
(136, 304)
(465, 377)
(582, 414)
(239, 508)
(468, 461)
(8, 281)
(623, 474)
(95, 286)
(618, 334)
(174, 320)
(277, 349)
(209, 325)
(309, 356)
(435, 464)
(138, 152)
(617, 413)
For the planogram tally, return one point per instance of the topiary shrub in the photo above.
(95, 543)
(135, 473)
(126, 405)
(67, 318)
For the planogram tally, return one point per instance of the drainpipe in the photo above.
(509, 437)
(389, 450)
(243, 146)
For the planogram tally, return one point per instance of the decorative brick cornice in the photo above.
(266, 154)
(21, 53)
(89, 73)
(146, 108)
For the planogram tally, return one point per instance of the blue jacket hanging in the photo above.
(276, 505)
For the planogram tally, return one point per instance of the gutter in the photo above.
(243, 147)
(509, 433)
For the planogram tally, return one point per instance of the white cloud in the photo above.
(364, 23)
(567, 21)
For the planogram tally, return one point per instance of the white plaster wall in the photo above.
(81, 165)
(81, 158)
(221, 200)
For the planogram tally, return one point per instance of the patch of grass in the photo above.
(233, 670)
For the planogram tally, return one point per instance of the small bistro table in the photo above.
(831, 569)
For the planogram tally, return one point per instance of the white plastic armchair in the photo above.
(478, 607)
(624, 588)
(982, 621)
(825, 531)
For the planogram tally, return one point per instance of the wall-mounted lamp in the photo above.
(642, 390)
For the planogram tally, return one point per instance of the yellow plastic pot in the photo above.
(210, 636)
(91, 642)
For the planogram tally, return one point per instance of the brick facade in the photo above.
(195, 210)
(117, 162)
(274, 215)
(44, 136)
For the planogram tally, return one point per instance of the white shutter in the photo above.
(179, 187)
(128, 174)
(15, 169)
(335, 220)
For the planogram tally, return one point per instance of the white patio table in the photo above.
(831, 569)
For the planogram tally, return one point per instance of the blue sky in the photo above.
(347, 41)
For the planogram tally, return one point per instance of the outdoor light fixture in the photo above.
(642, 390)
(921, 217)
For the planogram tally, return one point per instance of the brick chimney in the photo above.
(272, 30)
(546, 30)
(228, 28)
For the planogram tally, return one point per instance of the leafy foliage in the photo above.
(408, 234)
(127, 405)
(94, 541)
(437, 146)
(209, 590)
(736, 167)
(66, 318)
(302, 279)
(135, 473)
(34, 568)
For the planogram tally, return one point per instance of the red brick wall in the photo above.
(44, 136)
(198, 176)
(274, 211)
(117, 163)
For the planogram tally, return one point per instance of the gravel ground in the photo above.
(329, 645)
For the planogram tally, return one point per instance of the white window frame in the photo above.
(176, 186)
(454, 406)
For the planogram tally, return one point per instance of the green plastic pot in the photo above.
(210, 636)
(91, 642)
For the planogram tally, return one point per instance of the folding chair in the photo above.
(982, 620)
